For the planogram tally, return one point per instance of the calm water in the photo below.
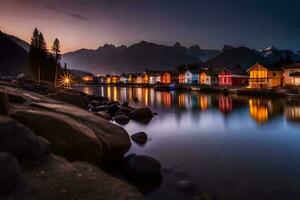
(230, 146)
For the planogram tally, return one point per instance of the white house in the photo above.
(154, 78)
(191, 77)
(291, 75)
(208, 78)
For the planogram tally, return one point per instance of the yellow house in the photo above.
(263, 76)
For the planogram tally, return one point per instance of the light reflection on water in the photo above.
(232, 146)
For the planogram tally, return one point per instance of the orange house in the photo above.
(181, 77)
(146, 78)
(166, 78)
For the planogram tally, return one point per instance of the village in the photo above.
(259, 77)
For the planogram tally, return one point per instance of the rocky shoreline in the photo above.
(57, 143)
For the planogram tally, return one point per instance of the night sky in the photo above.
(209, 23)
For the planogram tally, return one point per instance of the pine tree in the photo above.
(56, 51)
(34, 55)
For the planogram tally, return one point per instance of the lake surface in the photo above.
(231, 146)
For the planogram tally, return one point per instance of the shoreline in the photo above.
(73, 130)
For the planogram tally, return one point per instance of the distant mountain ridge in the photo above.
(135, 58)
(13, 58)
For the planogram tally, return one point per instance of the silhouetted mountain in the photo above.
(13, 58)
(273, 54)
(135, 58)
(232, 57)
(203, 54)
(19, 42)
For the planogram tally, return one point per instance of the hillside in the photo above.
(135, 58)
(13, 58)
(232, 57)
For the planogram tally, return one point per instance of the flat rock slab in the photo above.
(20, 141)
(55, 178)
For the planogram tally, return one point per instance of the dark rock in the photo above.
(100, 108)
(141, 166)
(95, 103)
(73, 98)
(140, 138)
(68, 138)
(104, 115)
(122, 119)
(142, 115)
(56, 178)
(9, 172)
(112, 109)
(125, 104)
(185, 185)
(124, 111)
(20, 141)
(155, 113)
(16, 98)
(135, 99)
(205, 196)
(4, 103)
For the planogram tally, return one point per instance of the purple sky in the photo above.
(209, 23)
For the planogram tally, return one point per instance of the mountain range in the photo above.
(13, 57)
(140, 57)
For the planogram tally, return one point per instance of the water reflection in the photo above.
(261, 110)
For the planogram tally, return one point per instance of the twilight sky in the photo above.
(209, 23)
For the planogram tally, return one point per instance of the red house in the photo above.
(233, 78)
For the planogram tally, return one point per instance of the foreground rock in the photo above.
(4, 103)
(9, 171)
(143, 115)
(122, 119)
(140, 138)
(141, 166)
(20, 141)
(76, 99)
(55, 178)
(68, 137)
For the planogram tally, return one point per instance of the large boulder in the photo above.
(142, 115)
(141, 166)
(68, 137)
(140, 138)
(122, 119)
(124, 111)
(20, 141)
(115, 140)
(4, 103)
(55, 178)
(76, 99)
(9, 171)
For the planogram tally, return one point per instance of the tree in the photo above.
(34, 54)
(56, 51)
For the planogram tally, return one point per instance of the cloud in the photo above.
(71, 14)
(78, 16)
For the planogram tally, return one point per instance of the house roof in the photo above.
(293, 66)
(270, 67)
(193, 71)
(295, 74)
(210, 72)
(237, 71)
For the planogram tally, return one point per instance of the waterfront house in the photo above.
(192, 76)
(124, 78)
(265, 76)
(181, 77)
(145, 78)
(154, 78)
(108, 79)
(208, 78)
(291, 75)
(233, 77)
(87, 78)
(115, 79)
(139, 79)
(166, 77)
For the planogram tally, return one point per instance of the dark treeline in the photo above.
(43, 65)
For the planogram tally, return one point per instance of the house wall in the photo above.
(290, 80)
(166, 78)
(139, 80)
(181, 78)
(261, 77)
(191, 78)
(226, 79)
